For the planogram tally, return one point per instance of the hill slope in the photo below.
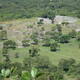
(10, 9)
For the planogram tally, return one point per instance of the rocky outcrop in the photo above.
(45, 20)
(60, 19)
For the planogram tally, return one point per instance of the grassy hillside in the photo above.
(11, 9)
(66, 51)
(22, 29)
(35, 48)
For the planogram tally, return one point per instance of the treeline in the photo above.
(12, 9)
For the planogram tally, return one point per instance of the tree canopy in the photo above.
(12, 9)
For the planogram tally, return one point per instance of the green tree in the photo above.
(34, 51)
(16, 55)
(49, 14)
(3, 35)
(64, 39)
(54, 46)
(9, 44)
(58, 76)
(46, 42)
(25, 43)
(65, 65)
(73, 34)
(4, 51)
(75, 70)
(34, 37)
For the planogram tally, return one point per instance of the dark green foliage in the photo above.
(3, 35)
(36, 41)
(55, 36)
(6, 55)
(46, 42)
(54, 46)
(17, 55)
(9, 44)
(49, 13)
(73, 34)
(66, 64)
(58, 76)
(65, 23)
(4, 51)
(34, 51)
(75, 70)
(56, 32)
(45, 70)
(16, 69)
(13, 9)
(64, 39)
(34, 37)
(7, 59)
(38, 62)
(25, 43)
(1, 27)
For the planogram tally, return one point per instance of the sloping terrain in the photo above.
(19, 29)
(12, 9)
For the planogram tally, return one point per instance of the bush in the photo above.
(25, 43)
(64, 39)
(73, 34)
(9, 44)
(3, 35)
(46, 42)
(54, 46)
(66, 64)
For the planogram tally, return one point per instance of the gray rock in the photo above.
(59, 19)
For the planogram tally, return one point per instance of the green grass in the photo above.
(66, 51)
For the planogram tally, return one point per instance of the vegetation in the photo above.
(9, 44)
(3, 35)
(41, 56)
(42, 50)
(53, 46)
(11, 9)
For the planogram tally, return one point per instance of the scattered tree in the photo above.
(64, 39)
(54, 46)
(25, 43)
(33, 51)
(73, 34)
(9, 44)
